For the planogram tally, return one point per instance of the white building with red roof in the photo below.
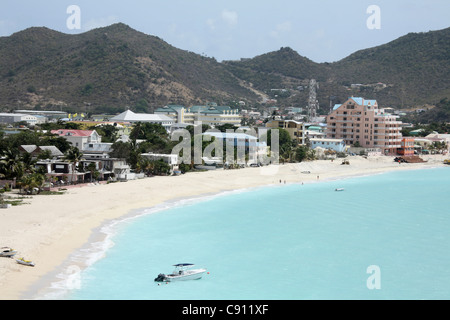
(79, 138)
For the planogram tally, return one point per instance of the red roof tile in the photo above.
(73, 133)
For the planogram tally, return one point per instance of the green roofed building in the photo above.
(210, 114)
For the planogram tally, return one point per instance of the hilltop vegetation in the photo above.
(438, 116)
(108, 69)
(410, 71)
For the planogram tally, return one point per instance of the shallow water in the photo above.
(285, 242)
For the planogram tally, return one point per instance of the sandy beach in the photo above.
(49, 228)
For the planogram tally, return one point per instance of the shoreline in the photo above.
(51, 229)
(90, 253)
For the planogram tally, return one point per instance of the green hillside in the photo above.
(412, 70)
(108, 69)
(114, 66)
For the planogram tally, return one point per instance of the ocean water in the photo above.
(386, 236)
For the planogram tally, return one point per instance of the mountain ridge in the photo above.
(114, 67)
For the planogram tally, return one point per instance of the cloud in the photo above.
(281, 28)
(227, 19)
(230, 17)
(99, 23)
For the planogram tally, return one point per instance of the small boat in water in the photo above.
(182, 272)
(25, 262)
(339, 189)
(7, 252)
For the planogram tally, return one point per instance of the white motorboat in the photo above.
(339, 189)
(182, 272)
(25, 262)
(7, 252)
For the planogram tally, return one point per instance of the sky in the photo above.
(321, 30)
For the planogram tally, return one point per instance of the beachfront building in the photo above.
(337, 145)
(79, 138)
(250, 146)
(170, 159)
(296, 129)
(361, 121)
(432, 143)
(60, 171)
(211, 114)
(406, 147)
(443, 138)
(131, 117)
(97, 150)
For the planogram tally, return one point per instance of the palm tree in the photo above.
(11, 165)
(92, 169)
(28, 162)
(26, 183)
(30, 181)
(73, 155)
(145, 165)
(39, 180)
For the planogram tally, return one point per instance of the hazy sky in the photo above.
(321, 30)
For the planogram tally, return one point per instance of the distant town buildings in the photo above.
(211, 114)
(130, 116)
(295, 129)
(358, 123)
(9, 118)
(337, 145)
(79, 138)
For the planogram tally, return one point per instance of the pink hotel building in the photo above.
(360, 120)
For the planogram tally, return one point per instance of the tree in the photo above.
(11, 166)
(73, 155)
(14, 141)
(120, 150)
(301, 153)
(46, 154)
(59, 142)
(28, 162)
(30, 181)
(141, 130)
(130, 151)
(153, 133)
(285, 140)
(141, 106)
(92, 168)
(145, 165)
(286, 143)
(161, 168)
(107, 132)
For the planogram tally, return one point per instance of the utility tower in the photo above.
(313, 103)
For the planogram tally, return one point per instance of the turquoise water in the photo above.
(289, 242)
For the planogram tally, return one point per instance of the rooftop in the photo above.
(73, 133)
(210, 109)
(130, 116)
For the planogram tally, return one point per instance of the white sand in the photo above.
(50, 228)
